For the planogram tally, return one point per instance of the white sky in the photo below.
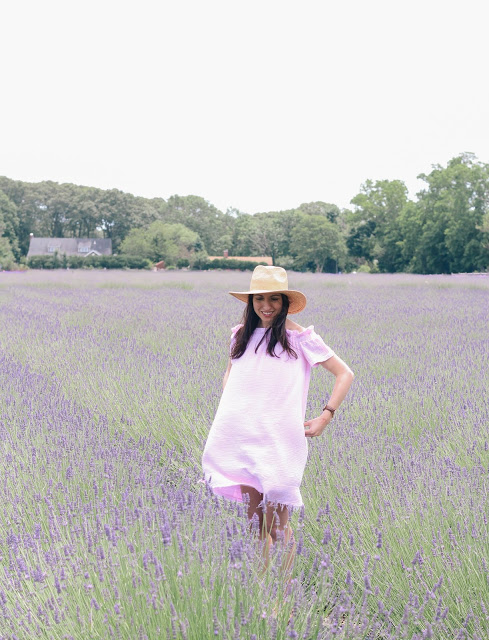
(260, 105)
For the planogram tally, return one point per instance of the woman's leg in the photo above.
(275, 526)
(279, 528)
(254, 499)
(277, 520)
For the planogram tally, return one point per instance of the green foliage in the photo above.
(375, 233)
(319, 243)
(330, 211)
(9, 249)
(9, 224)
(443, 232)
(52, 210)
(265, 234)
(90, 262)
(7, 260)
(364, 268)
(245, 231)
(286, 262)
(196, 213)
(451, 212)
(163, 241)
(223, 263)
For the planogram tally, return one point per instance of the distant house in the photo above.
(267, 259)
(70, 246)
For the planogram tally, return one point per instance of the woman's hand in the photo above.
(316, 426)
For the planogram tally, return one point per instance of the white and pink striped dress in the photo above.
(257, 437)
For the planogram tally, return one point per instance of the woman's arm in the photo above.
(344, 377)
(226, 375)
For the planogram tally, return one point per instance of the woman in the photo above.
(257, 448)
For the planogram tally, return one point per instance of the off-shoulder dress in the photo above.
(257, 437)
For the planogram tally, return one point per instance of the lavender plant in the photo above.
(108, 385)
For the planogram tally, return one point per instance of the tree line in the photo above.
(445, 230)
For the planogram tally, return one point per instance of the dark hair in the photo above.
(275, 334)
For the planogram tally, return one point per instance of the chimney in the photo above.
(226, 253)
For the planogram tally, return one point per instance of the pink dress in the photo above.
(257, 437)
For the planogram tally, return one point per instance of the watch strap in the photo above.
(330, 409)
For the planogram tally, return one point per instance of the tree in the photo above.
(163, 241)
(317, 241)
(119, 212)
(28, 213)
(265, 234)
(361, 240)
(284, 223)
(49, 209)
(269, 235)
(375, 233)
(200, 216)
(245, 231)
(137, 243)
(330, 211)
(7, 260)
(452, 210)
(9, 225)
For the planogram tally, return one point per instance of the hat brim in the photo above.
(297, 300)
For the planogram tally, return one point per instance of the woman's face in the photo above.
(267, 307)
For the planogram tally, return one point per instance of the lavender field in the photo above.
(108, 386)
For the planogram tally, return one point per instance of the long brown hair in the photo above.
(275, 334)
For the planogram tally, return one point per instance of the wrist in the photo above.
(328, 409)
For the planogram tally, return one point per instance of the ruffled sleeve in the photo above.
(312, 346)
(234, 331)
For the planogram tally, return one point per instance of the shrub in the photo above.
(90, 262)
(286, 262)
(223, 263)
(364, 268)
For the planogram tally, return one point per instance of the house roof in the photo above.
(70, 246)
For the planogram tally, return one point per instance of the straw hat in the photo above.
(272, 280)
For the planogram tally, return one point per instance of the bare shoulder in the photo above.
(293, 326)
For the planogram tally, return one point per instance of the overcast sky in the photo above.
(259, 105)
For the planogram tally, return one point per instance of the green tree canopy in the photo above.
(451, 212)
(163, 241)
(319, 242)
(7, 259)
(49, 209)
(330, 211)
(213, 227)
(9, 226)
(374, 233)
(244, 234)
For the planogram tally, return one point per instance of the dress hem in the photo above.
(233, 492)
